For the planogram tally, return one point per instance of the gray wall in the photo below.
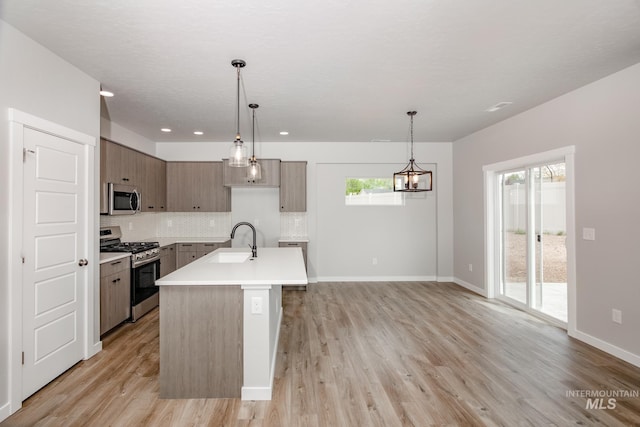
(35, 81)
(430, 239)
(601, 121)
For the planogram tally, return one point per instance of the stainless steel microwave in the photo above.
(123, 199)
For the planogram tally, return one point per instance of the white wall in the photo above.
(373, 242)
(601, 121)
(318, 154)
(116, 133)
(34, 80)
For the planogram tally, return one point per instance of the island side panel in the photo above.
(201, 333)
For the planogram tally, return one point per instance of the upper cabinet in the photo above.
(196, 187)
(154, 194)
(237, 177)
(293, 186)
(123, 165)
(120, 163)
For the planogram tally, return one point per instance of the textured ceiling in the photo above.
(331, 70)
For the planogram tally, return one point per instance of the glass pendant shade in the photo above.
(238, 155)
(412, 178)
(254, 171)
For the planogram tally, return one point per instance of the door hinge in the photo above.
(23, 357)
(23, 260)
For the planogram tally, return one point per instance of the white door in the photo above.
(55, 188)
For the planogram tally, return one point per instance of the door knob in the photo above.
(83, 262)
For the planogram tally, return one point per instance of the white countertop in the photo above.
(112, 256)
(291, 239)
(273, 266)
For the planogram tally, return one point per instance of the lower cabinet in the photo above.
(167, 259)
(115, 293)
(189, 252)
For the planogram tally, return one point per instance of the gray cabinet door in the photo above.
(196, 187)
(293, 187)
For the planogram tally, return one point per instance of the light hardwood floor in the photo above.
(354, 354)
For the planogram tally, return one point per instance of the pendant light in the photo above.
(254, 172)
(412, 178)
(238, 153)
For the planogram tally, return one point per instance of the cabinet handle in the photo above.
(185, 244)
(116, 263)
(292, 244)
(149, 207)
(125, 179)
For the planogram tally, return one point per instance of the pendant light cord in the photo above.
(253, 135)
(411, 136)
(238, 104)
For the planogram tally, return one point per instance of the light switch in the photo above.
(588, 233)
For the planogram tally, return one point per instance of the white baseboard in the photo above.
(93, 350)
(618, 352)
(256, 393)
(5, 411)
(472, 288)
(377, 279)
(446, 279)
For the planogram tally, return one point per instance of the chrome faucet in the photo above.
(254, 249)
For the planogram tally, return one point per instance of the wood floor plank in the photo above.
(363, 354)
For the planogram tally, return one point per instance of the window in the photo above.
(371, 192)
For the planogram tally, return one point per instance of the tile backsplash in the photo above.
(293, 225)
(146, 225)
(170, 224)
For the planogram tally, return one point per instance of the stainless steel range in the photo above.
(145, 268)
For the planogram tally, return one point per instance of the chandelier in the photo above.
(412, 178)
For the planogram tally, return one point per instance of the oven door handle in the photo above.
(137, 264)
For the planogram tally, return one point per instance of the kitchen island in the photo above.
(220, 321)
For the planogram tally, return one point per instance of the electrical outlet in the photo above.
(212, 223)
(169, 223)
(256, 305)
(374, 261)
(130, 226)
(588, 233)
(470, 267)
(616, 316)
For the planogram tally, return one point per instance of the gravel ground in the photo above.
(554, 258)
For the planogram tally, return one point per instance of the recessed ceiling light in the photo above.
(498, 106)
(106, 93)
(165, 130)
(198, 132)
(284, 132)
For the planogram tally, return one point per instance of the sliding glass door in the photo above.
(533, 256)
